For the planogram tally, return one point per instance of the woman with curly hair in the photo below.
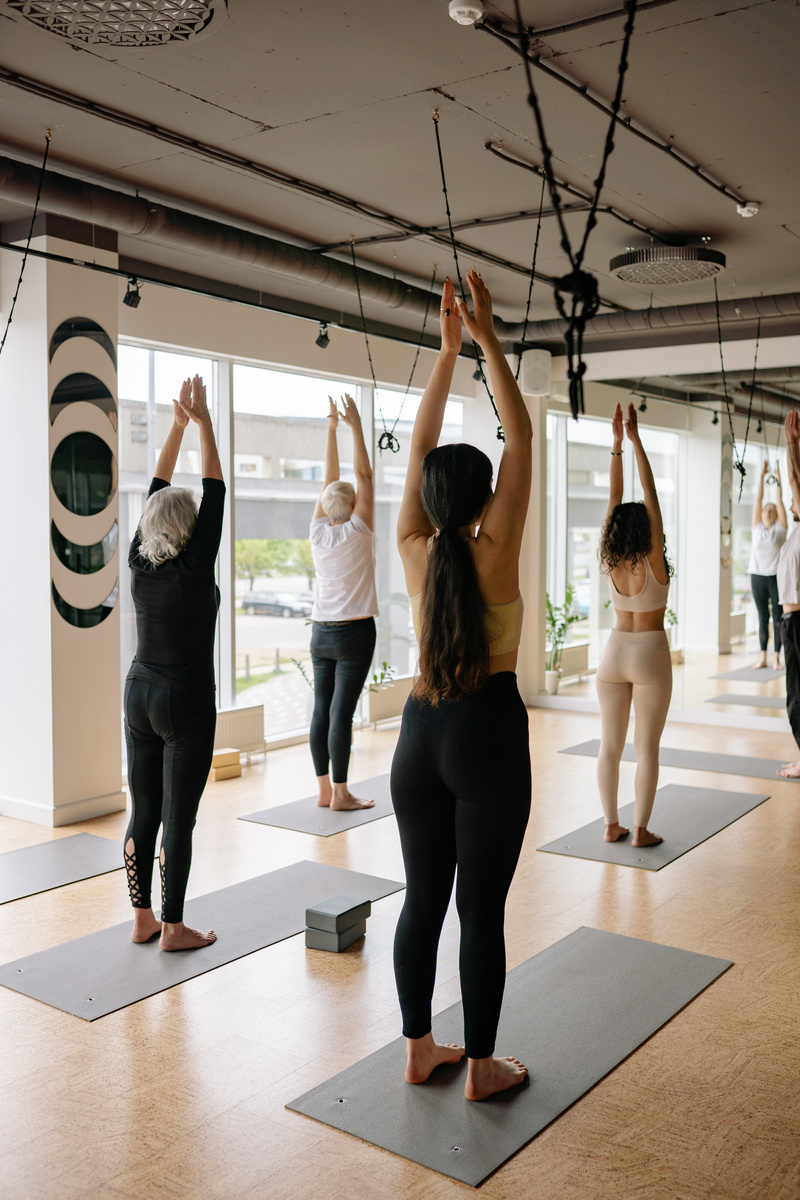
(636, 663)
(461, 776)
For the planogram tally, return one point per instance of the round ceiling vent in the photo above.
(133, 24)
(667, 264)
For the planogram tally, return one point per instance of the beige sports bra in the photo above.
(652, 596)
(503, 624)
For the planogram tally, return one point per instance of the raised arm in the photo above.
(504, 519)
(365, 491)
(412, 522)
(168, 457)
(648, 486)
(758, 502)
(791, 434)
(194, 407)
(331, 457)
(615, 474)
(779, 498)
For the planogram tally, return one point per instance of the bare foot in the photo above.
(790, 771)
(614, 832)
(324, 801)
(325, 790)
(487, 1076)
(347, 802)
(423, 1055)
(145, 926)
(762, 662)
(776, 663)
(181, 937)
(643, 837)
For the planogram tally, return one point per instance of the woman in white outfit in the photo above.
(769, 534)
(636, 664)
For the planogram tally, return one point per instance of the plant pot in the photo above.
(551, 682)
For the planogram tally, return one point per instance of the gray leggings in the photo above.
(635, 667)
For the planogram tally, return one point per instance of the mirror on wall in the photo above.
(83, 473)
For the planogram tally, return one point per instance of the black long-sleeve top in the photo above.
(177, 602)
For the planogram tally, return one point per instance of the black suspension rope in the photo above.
(737, 462)
(578, 284)
(387, 440)
(478, 359)
(530, 284)
(48, 136)
(390, 433)
(750, 405)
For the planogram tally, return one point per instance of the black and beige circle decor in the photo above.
(83, 474)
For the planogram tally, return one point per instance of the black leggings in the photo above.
(461, 788)
(791, 648)
(169, 732)
(342, 656)
(765, 591)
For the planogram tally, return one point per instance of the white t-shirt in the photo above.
(344, 560)
(766, 548)
(789, 569)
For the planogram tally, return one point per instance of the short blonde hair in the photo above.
(167, 524)
(336, 499)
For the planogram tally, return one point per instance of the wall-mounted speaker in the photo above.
(535, 373)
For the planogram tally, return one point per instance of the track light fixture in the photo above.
(759, 427)
(323, 339)
(716, 419)
(476, 374)
(643, 405)
(133, 297)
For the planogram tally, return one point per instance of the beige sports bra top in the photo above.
(503, 624)
(652, 596)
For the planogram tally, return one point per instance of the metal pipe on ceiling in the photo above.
(763, 375)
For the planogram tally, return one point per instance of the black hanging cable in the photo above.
(533, 276)
(387, 440)
(390, 432)
(48, 136)
(478, 359)
(737, 461)
(750, 405)
(578, 284)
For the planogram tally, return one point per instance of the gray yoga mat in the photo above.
(751, 675)
(53, 864)
(305, 816)
(696, 760)
(98, 974)
(754, 701)
(571, 1014)
(684, 816)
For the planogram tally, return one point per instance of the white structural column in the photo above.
(706, 580)
(60, 743)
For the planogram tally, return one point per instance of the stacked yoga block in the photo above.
(336, 923)
(225, 764)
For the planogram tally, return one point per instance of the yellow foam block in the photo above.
(232, 771)
(225, 757)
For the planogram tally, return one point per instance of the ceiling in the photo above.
(340, 96)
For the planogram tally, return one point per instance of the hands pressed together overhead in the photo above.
(191, 404)
(630, 424)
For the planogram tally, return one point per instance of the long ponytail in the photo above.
(454, 645)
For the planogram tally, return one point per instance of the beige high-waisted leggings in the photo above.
(638, 667)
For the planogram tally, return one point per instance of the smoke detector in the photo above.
(749, 209)
(123, 24)
(466, 12)
(659, 265)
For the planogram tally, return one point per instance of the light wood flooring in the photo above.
(182, 1096)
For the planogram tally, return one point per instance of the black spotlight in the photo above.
(758, 427)
(716, 419)
(643, 405)
(476, 374)
(132, 297)
(323, 339)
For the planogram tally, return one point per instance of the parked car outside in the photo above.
(276, 604)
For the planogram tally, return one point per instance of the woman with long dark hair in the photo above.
(170, 704)
(636, 664)
(461, 780)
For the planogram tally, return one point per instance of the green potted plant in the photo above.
(559, 619)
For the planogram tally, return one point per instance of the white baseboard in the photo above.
(64, 814)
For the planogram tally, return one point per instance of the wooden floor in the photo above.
(182, 1095)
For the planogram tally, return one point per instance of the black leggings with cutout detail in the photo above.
(169, 733)
(461, 788)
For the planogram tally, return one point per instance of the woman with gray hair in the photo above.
(345, 607)
(170, 704)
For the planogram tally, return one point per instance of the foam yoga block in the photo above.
(571, 1014)
(322, 939)
(336, 923)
